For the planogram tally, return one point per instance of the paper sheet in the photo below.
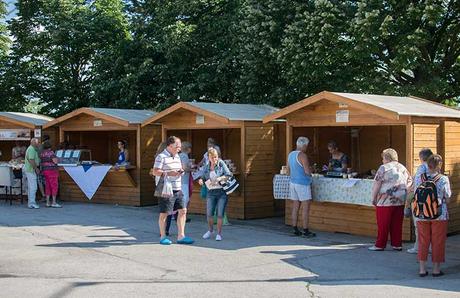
(350, 183)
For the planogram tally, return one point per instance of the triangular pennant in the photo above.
(88, 180)
(86, 167)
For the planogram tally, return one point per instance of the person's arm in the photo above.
(227, 173)
(377, 185)
(32, 162)
(157, 168)
(447, 191)
(305, 163)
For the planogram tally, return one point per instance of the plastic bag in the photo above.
(167, 191)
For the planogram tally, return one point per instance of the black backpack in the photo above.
(425, 204)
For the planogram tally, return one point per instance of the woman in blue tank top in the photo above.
(123, 155)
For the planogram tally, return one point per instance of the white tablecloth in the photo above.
(88, 178)
(336, 190)
(7, 179)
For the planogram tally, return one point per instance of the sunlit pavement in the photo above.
(85, 250)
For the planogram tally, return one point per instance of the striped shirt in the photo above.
(166, 162)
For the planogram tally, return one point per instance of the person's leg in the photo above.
(383, 225)
(162, 224)
(221, 204)
(48, 188)
(186, 197)
(181, 217)
(54, 184)
(438, 243)
(31, 188)
(211, 203)
(306, 201)
(295, 207)
(415, 248)
(396, 223)
(41, 185)
(424, 235)
(168, 224)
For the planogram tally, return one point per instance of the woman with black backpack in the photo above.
(430, 208)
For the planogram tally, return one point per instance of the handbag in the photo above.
(163, 188)
(203, 191)
(229, 185)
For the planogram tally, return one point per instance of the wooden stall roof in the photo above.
(124, 117)
(224, 112)
(386, 106)
(28, 120)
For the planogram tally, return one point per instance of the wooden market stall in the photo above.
(16, 129)
(253, 147)
(364, 125)
(98, 130)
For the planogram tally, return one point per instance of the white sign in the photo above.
(97, 123)
(15, 134)
(343, 105)
(37, 133)
(342, 116)
(199, 119)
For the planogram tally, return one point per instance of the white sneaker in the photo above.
(207, 235)
(34, 206)
(375, 248)
(412, 250)
(218, 237)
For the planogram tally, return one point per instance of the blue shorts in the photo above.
(216, 198)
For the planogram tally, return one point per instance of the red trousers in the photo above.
(51, 182)
(432, 232)
(389, 220)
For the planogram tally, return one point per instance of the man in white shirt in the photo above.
(168, 163)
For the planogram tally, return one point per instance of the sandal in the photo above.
(438, 274)
(48, 205)
(423, 274)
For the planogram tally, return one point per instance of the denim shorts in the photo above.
(216, 198)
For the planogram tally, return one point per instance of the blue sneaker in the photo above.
(186, 240)
(165, 241)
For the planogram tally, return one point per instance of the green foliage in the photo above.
(63, 47)
(152, 53)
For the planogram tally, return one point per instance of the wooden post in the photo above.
(138, 146)
(288, 139)
(244, 174)
(410, 146)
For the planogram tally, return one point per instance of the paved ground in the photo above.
(88, 250)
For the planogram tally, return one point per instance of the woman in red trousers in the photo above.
(389, 192)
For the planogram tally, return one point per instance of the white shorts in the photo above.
(299, 192)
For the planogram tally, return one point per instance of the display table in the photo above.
(99, 184)
(341, 205)
(8, 183)
(358, 191)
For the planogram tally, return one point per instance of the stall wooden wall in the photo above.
(117, 188)
(451, 143)
(150, 138)
(343, 218)
(426, 135)
(259, 169)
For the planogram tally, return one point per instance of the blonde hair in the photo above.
(434, 162)
(390, 154)
(212, 152)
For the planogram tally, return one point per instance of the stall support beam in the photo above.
(288, 140)
(409, 145)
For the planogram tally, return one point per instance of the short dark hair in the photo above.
(171, 140)
(425, 153)
(46, 145)
(123, 142)
(333, 144)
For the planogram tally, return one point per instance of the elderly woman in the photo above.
(339, 161)
(389, 192)
(434, 231)
(215, 172)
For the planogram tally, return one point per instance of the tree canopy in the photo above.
(67, 54)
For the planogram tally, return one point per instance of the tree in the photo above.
(409, 47)
(189, 48)
(62, 47)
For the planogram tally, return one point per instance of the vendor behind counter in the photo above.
(338, 161)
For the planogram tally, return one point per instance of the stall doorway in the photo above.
(363, 144)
